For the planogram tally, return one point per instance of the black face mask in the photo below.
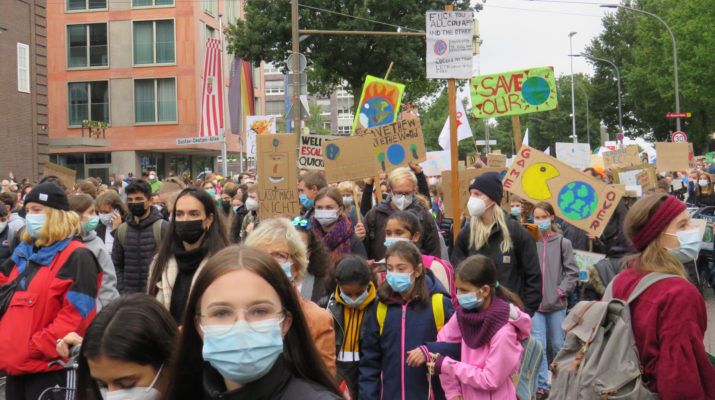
(137, 209)
(189, 231)
(226, 207)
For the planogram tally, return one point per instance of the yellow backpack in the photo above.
(437, 311)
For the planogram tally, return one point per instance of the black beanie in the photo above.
(49, 195)
(489, 184)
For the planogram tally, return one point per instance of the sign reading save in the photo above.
(514, 93)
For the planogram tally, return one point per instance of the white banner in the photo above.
(449, 44)
(576, 155)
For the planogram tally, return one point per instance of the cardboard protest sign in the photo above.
(710, 157)
(496, 160)
(647, 179)
(437, 161)
(66, 175)
(379, 103)
(636, 176)
(395, 145)
(621, 158)
(349, 159)
(672, 156)
(576, 155)
(310, 153)
(466, 177)
(585, 259)
(449, 44)
(261, 124)
(277, 177)
(597, 161)
(578, 198)
(514, 92)
(471, 159)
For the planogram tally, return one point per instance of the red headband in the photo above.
(662, 217)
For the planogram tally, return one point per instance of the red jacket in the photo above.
(669, 321)
(59, 299)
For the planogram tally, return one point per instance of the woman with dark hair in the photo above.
(321, 267)
(239, 212)
(245, 336)
(125, 351)
(332, 225)
(196, 232)
(111, 211)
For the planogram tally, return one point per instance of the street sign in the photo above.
(484, 142)
(449, 44)
(679, 137)
(302, 62)
(678, 115)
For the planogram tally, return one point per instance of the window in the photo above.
(210, 32)
(154, 100)
(87, 46)
(344, 130)
(78, 5)
(210, 7)
(88, 101)
(154, 42)
(152, 3)
(23, 68)
(269, 68)
(275, 108)
(274, 87)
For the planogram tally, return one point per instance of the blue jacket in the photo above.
(407, 325)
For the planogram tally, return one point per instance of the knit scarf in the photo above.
(478, 328)
(24, 252)
(337, 239)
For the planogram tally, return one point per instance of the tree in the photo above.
(316, 121)
(265, 35)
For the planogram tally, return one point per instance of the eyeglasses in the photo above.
(223, 318)
(301, 223)
(280, 256)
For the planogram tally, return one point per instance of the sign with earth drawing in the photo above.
(396, 145)
(277, 179)
(349, 159)
(514, 92)
(579, 199)
(379, 103)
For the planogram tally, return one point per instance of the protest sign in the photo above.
(709, 157)
(395, 145)
(576, 155)
(495, 160)
(349, 159)
(277, 178)
(621, 158)
(578, 198)
(261, 124)
(584, 260)
(672, 156)
(251, 144)
(310, 153)
(514, 92)
(67, 176)
(379, 103)
(471, 159)
(437, 161)
(466, 176)
(636, 176)
(597, 161)
(449, 44)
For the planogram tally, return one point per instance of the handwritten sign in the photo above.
(379, 103)
(395, 145)
(310, 154)
(621, 158)
(349, 159)
(514, 93)
(277, 178)
(466, 176)
(584, 260)
(449, 44)
(577, 155)
(578, 198)
(672, 156)
(496, 160)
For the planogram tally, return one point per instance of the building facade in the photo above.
(23, 87)
(125, 82)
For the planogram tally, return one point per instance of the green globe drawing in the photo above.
(578, 200)
(536, 90)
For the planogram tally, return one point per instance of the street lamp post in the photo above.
(675, 53)
(618, 79)
(573, 92)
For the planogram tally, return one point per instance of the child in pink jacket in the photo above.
(489, 326)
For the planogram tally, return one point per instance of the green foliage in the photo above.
(316, 120)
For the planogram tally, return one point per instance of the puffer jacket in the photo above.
(559, 271)
(108, 290)
(131, 259)
(320, 325)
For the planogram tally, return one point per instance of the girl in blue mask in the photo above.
(412, 308)
(245, 336)
(559, 276)
(354, 293)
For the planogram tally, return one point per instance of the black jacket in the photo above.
(518, 270)
(236, 224)
(278, 384)
(131, 260)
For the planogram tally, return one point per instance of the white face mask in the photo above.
(135, 393)
(251, 204)
(703, 182)
(326, 217)
(402, 201)
(476, 206)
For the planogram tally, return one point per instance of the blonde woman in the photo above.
(492, 233)
(49, 289)
(669, 318)
(347, 190)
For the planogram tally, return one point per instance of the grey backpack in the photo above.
(599, 359)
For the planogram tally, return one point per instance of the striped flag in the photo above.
(212, 94)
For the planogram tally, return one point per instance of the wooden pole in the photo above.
(453, 149)
(358, 33)
(378, 189)
(516, 131)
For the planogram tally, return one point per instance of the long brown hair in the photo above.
(548, 209)
(479, 271)
(300, 353)
(654, 257)
(410, 253)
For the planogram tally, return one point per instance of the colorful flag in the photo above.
(240, 94)
(379, 103)
(212, 94)
(464, 131)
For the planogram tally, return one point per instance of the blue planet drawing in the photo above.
(396, 154)
(536, 90)
(577, 200)
(376, 111)
(332, 151)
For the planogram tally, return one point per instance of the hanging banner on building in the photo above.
(578, 198)
(212, 94)
(261, 124)
(379, 103)
(449, 44)
(622, 158)
(576, 155)
(277, 178)
(514, 93)
(349, 159)
(240, 94)
(396, 145)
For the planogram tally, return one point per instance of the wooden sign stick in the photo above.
(378, 189)
(516, 131)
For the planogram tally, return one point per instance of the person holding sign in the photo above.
(492, 233)
(333, 227)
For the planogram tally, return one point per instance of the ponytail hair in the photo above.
(480, 271)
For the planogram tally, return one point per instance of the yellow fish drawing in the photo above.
(534, 180)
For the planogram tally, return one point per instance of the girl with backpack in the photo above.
(489, 325)
(411, 310)
(405, 226)
(559, 275)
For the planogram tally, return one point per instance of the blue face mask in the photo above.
(211, 192)
(236, 208)
(516, 211)
(353, 303)
(400, 282)
(469, 301)
(689, 245)
(246, 352)
(544, 225)
(34, 223)
(287, 268)
(389, 241)
(305, 201)
(91, 224)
